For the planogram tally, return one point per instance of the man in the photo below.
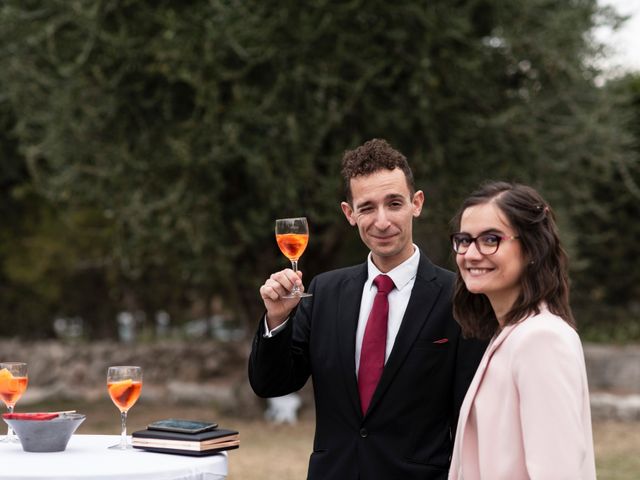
(389, 416)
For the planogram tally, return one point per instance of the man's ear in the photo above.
(418, 202)
(348, 212)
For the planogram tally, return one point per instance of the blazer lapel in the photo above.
(465, 409)
(423, 296)
(482, 367)
(348, 302)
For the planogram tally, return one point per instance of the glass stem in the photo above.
(123, 434)
(294, 267)
(10, 433)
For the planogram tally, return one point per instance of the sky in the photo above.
(625, 43)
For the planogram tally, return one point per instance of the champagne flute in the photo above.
(13, 383)
(124, 384)
(292, 235)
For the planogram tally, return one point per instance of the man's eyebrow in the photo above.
(394, 196)
(387, 198)
(366, 203)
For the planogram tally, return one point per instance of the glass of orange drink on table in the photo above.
(292, 236)
(124, 384)
(13, 383)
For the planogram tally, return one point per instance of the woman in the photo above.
(526, 414)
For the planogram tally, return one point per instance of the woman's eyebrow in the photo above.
(491, 230)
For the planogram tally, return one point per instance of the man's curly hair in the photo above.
(372, 156)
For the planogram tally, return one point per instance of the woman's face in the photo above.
(496, 275)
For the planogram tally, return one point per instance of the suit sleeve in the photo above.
(548, 373)
(280, 364)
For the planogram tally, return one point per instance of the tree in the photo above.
(608, 286)
(186, 128)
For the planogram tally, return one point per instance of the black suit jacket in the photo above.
(408, 430)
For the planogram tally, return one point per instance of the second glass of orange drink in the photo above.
(124, 384)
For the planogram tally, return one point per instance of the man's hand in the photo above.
(272, 292)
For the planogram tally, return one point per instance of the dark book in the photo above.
(203, 443)
(182, 426)
(191, 453)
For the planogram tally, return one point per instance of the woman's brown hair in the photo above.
(545, 277)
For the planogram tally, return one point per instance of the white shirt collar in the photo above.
(401, 275)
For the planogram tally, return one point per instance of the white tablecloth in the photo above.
(87, 457)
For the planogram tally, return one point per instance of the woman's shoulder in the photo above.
(545, 341)
(544, 326)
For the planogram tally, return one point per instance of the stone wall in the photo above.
(614, 369)
(211, 372)
(195, 372)
(614, 381)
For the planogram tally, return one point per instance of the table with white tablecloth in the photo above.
(87, 457)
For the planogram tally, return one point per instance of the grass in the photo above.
(617, 447)
(270, 452)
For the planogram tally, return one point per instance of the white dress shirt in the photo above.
(403, 276)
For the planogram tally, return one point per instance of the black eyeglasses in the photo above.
(487, 243)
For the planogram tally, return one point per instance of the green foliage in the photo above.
(608, 286)
(166, 136)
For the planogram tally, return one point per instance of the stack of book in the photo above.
(185, 437)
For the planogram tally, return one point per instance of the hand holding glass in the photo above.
(13, 383)
(124, 384)
(292, 235)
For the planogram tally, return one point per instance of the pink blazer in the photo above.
(526, 414)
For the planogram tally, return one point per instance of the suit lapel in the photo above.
(348, 303)
(423, 296)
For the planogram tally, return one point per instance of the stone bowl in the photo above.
(46, 435)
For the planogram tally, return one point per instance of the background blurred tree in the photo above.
(608, 288)
(14, 294)
(46, 255)
(167, 136)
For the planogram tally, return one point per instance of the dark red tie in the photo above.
(374, 342)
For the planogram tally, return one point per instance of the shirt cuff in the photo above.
(270, 333)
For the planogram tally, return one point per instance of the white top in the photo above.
(403, 276)
(87, 457)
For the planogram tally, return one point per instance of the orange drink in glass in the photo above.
(124, 384)
(13, 383)
(292, 237)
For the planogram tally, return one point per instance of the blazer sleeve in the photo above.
(280, 364)
(549, 374)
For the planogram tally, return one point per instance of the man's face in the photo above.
(383, 209)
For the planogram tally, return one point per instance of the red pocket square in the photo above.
(442, 340)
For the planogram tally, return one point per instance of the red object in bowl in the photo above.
(29, 416)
